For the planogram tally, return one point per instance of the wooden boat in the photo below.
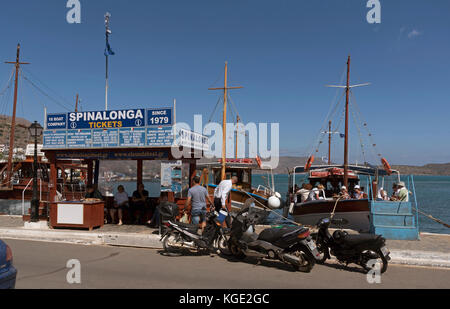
(356, 211)
(243, 192)
(370, 214)
(16, 175)
(15, 196)
(225, 168)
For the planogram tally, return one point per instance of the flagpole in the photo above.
(106, 84)
(107, 15)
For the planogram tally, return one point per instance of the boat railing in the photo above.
(23, 193)
(392, 218)
(266, 190)
(23, 196)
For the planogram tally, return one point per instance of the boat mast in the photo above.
(329, 142)
(17, 64)
(347, 90)
(224, 120)
(236, 139)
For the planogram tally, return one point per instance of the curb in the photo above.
(113, 239)
(420, 258)
(152, 241)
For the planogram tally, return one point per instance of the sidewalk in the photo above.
(431, 250)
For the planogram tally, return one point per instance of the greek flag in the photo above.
(108, 50)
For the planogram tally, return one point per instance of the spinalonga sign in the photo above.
(112, 129)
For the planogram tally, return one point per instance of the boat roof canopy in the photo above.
(361, 170)
(215, 165)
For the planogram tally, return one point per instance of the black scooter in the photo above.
(289, 244)
(178, 237)
(359, 249)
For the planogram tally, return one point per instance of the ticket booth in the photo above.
(137, 134)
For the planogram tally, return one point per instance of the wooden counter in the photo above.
(77, 214)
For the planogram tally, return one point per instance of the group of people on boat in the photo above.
(399, 193)
(309, 193)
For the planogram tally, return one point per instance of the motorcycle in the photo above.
(289, 244)
(178, 237)
(360, 249)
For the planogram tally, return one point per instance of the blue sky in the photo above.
(282, 52)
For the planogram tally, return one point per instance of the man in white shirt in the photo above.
(221, 192)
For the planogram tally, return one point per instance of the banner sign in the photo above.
(191, 139)
(125, 155)
(171, 176)
(118, 128)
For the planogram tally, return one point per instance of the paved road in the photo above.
(43, 265)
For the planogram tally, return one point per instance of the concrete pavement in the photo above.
(431, 250)
(43, 265)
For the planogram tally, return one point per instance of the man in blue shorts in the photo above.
(197, 196)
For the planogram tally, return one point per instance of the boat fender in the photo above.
(258, 160)
(274, 202)
(386, 166)
(309, 163)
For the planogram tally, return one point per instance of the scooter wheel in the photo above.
(376, 255)
(324, 254)
(222, 245)
(235, 250)
(168, 247)
(308, 262)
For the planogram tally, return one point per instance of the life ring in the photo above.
(386, 166)
(258, 160)
(309, 163)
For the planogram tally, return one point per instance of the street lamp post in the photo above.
(35, 131)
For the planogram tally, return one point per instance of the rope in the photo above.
(374, 148)
(45, 94)
(432, 218)
(212, 114)
(334, 208)
(271, 210)
(359, 134)
(321, 134)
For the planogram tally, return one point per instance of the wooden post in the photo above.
(76, 104)
(53, 176)
(192, 173)
(90, 173)
(139, 172)
(96, 171)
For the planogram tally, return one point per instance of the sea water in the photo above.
(432, 194)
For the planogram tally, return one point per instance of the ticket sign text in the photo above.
(159, 117)
(107, 119)
(56, 121)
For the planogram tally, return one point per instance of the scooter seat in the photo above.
(192, 227)
(275, 233)
(360, 239)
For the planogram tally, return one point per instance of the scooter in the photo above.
(360, 249)
(289, 244)
(178, 237)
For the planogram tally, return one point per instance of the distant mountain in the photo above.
(429, 169)
(152, 168)
(21, 135)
